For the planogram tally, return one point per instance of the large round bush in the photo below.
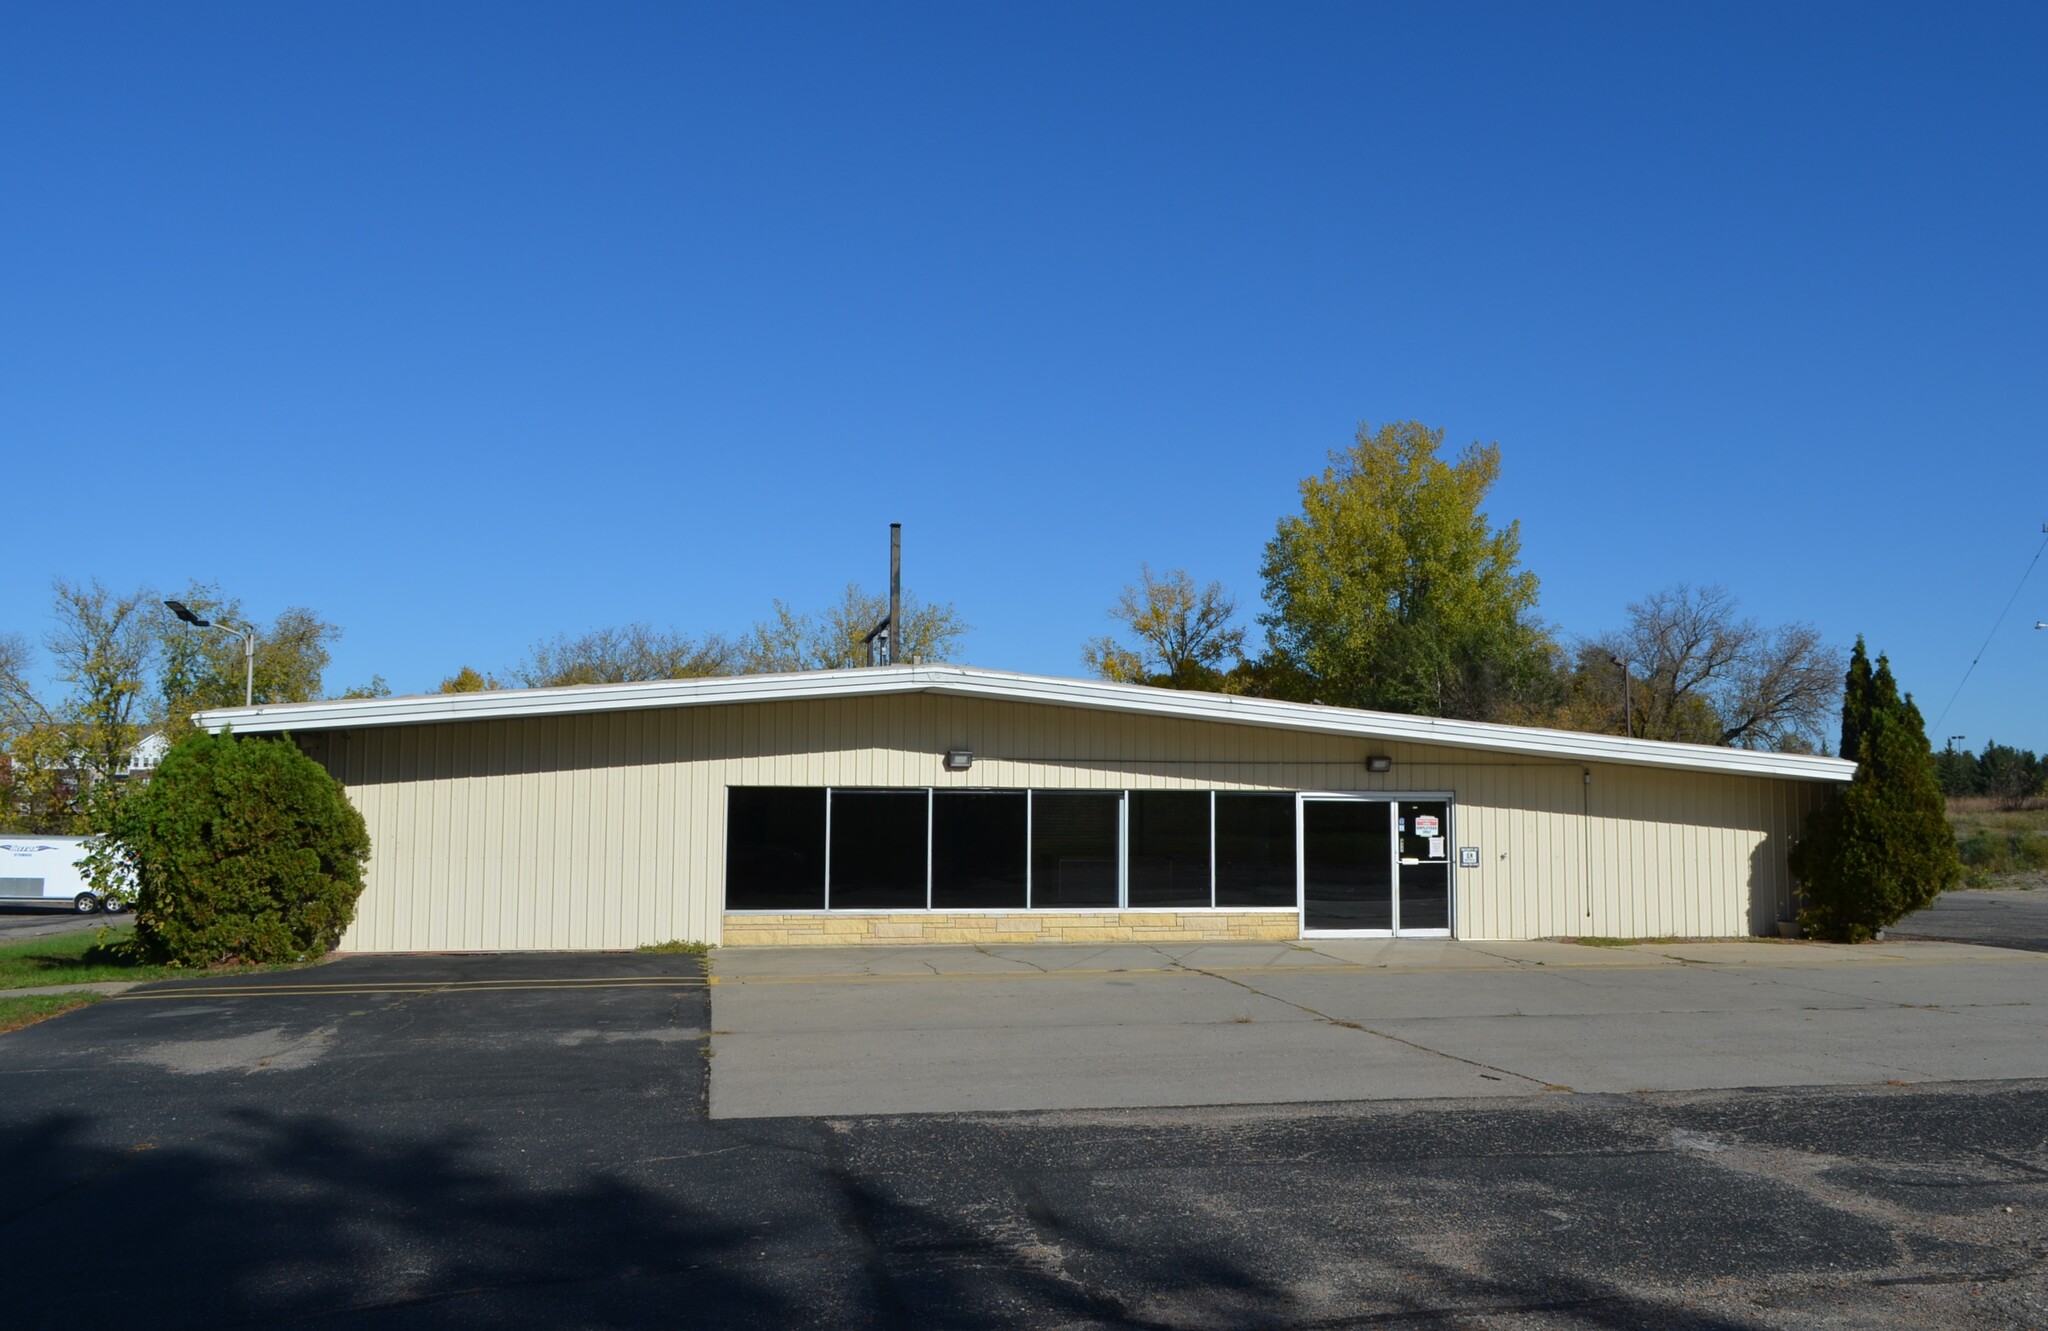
(243, 850)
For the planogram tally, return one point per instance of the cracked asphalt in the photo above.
(523, 1141)
(810, 1031)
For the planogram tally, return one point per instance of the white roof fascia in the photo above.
(971, 682)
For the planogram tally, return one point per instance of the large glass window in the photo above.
(1169, 837)
(1254, 850)
(878, 849)
(896, 849)
(774, 849)
(978, 850)
(1074, 844)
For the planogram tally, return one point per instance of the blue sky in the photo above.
(466, 324)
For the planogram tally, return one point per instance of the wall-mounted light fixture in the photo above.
(959, 760)
(1379, 762)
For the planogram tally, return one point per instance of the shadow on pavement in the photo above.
(1029, 1264)
(538, 1157)
(280, 1220)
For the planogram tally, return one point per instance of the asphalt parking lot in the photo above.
(1997, 919)
(523, 1141)
(20, 921)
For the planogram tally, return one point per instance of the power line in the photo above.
(1994, 628)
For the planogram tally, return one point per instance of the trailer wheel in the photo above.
(113, 905)
(85, 903)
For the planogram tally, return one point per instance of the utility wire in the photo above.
(1995, 627)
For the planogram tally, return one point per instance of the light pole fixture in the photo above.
(184, 612)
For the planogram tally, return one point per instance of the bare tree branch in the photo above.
(626, 654)
(20, 708)
(1699, 673)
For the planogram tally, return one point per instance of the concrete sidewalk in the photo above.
(58, 990)
(932, 1029)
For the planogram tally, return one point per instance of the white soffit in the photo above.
(1002, 686)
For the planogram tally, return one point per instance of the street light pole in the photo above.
(184, 612)
(1628, 699)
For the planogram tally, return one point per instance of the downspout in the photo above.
(1586, 837)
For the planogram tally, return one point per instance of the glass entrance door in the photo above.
(1375, 865)
(1347, 865)
(1424, 875)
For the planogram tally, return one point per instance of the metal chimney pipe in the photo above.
(895, 592)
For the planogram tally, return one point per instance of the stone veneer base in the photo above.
(1008, 927)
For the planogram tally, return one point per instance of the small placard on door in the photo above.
(1468, 857)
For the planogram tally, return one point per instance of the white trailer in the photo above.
(47, 870)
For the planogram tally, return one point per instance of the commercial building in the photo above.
(944, 803)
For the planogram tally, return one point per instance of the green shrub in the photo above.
(243, 850)
(1881, 847)
(1992, 850)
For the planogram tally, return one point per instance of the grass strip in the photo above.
(16, 1013)
(92, 957)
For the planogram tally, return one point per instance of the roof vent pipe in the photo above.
(895, 592)
(884, 640)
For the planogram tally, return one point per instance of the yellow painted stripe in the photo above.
(425, 987)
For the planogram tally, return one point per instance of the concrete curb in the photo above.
(57, 990)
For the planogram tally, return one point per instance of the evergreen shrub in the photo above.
(242, 850)
(1882, 847)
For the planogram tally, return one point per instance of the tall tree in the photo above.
(1391, 589)
(2009, 775)
(1699, 672)
(1881, 847)
(131, 667)
(1858, 700)
(1183, 636)
(1956, 772)
(103, 645)
(469, 680)
(62, 753)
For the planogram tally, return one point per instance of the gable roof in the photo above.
(999, 685)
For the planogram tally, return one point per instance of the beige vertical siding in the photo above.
(606, 830)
